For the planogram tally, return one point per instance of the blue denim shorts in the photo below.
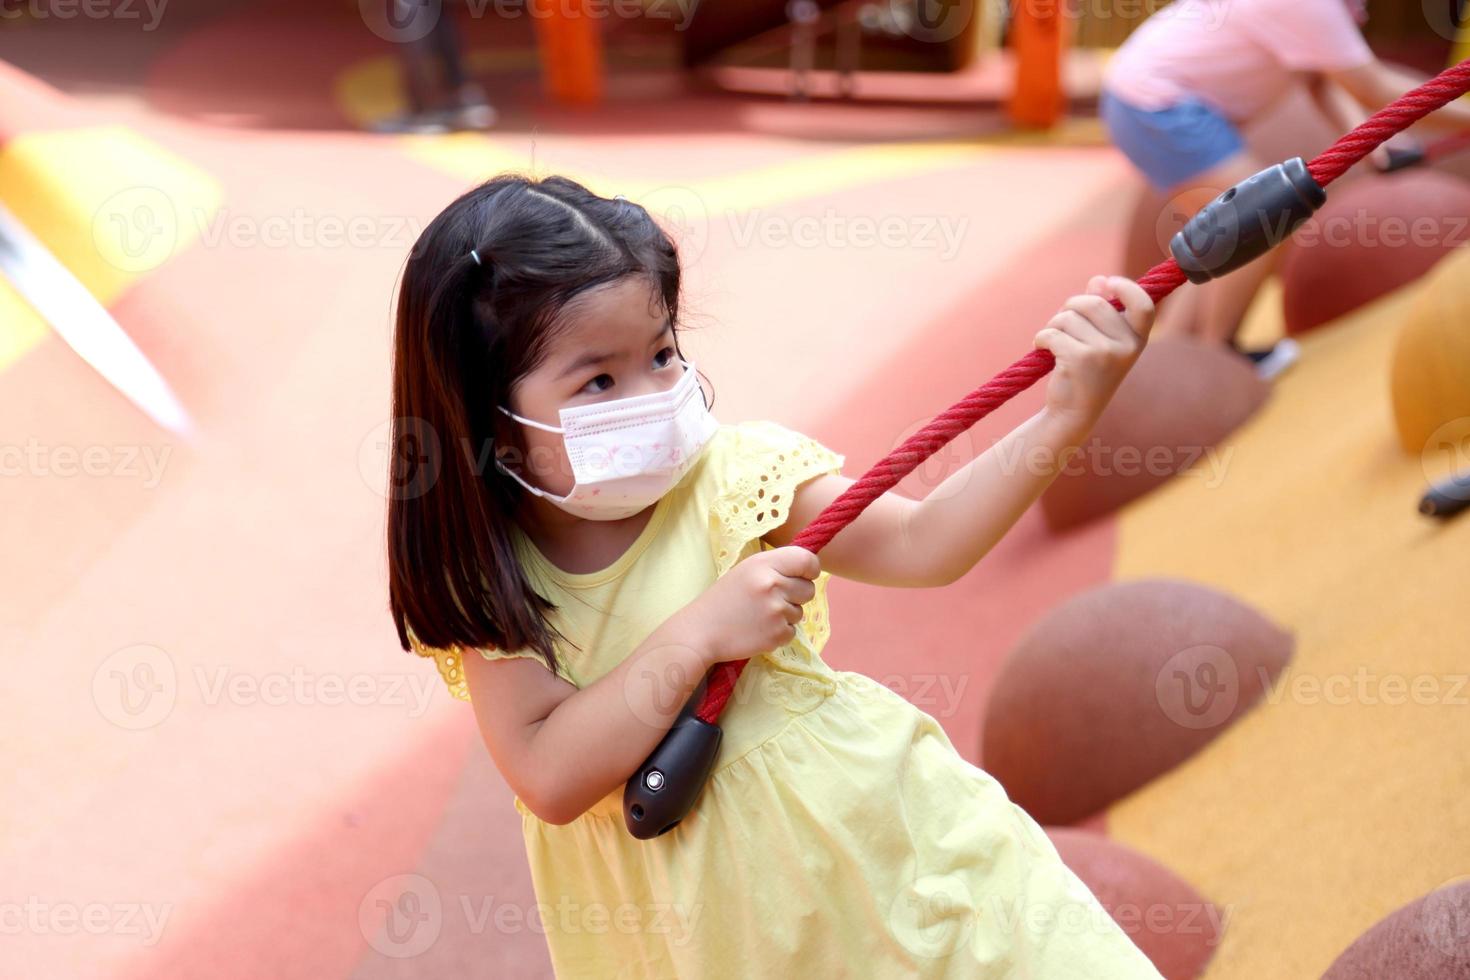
(1173, 144)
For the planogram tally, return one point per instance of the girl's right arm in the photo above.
(1378, 83)
(562, 748)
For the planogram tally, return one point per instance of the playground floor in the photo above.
(218, 756)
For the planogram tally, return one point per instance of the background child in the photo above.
(440, 92)
(589, 542)
(1178, 91)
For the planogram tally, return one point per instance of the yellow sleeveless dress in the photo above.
(840, 833)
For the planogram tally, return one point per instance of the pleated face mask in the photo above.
(628, 452)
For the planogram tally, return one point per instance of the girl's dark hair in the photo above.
(465, 333)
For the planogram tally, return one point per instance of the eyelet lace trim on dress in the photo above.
(451, 662)
(763, 480)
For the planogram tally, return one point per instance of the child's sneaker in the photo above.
(468, 111)
(1271, 361)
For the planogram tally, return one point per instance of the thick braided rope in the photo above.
(1158, 282)
(1389, 121)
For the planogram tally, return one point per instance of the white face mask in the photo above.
(628, 452)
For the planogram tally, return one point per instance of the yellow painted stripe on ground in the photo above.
(475, 157)
(1320, 813)
(109, 204)
(20, 327)
(372, 89)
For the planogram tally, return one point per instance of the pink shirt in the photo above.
(1237, 55)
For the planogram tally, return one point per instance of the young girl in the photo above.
(1178, 91)
(576, 542)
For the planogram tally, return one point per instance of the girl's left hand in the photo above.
(1095, 345)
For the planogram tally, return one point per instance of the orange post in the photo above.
(570, 40)
(1037, 41)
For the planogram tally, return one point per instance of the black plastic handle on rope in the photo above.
(1247, 221)
(1402, 158)
(1448, 497)
(664, 788)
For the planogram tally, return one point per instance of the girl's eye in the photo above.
(592, 385)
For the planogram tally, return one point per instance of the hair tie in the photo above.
(474, 254)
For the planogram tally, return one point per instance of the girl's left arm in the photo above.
(899, 541)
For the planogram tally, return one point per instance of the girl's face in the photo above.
(617, 343)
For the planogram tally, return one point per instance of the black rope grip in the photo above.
(663, 790)
(1247, 221)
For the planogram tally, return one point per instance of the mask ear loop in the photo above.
(499, 465)
(530, 488)
(531, 422)
(697, 383)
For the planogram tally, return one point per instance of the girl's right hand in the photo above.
(755, 606)
(1095, 345)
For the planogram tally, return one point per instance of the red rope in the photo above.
(1158, 282)
(1389, 121)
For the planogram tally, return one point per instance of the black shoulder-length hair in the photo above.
(466, 331)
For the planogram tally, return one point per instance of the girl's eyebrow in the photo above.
(589, 358)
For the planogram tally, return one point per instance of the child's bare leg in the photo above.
(1179, 313)
(1227, 300)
